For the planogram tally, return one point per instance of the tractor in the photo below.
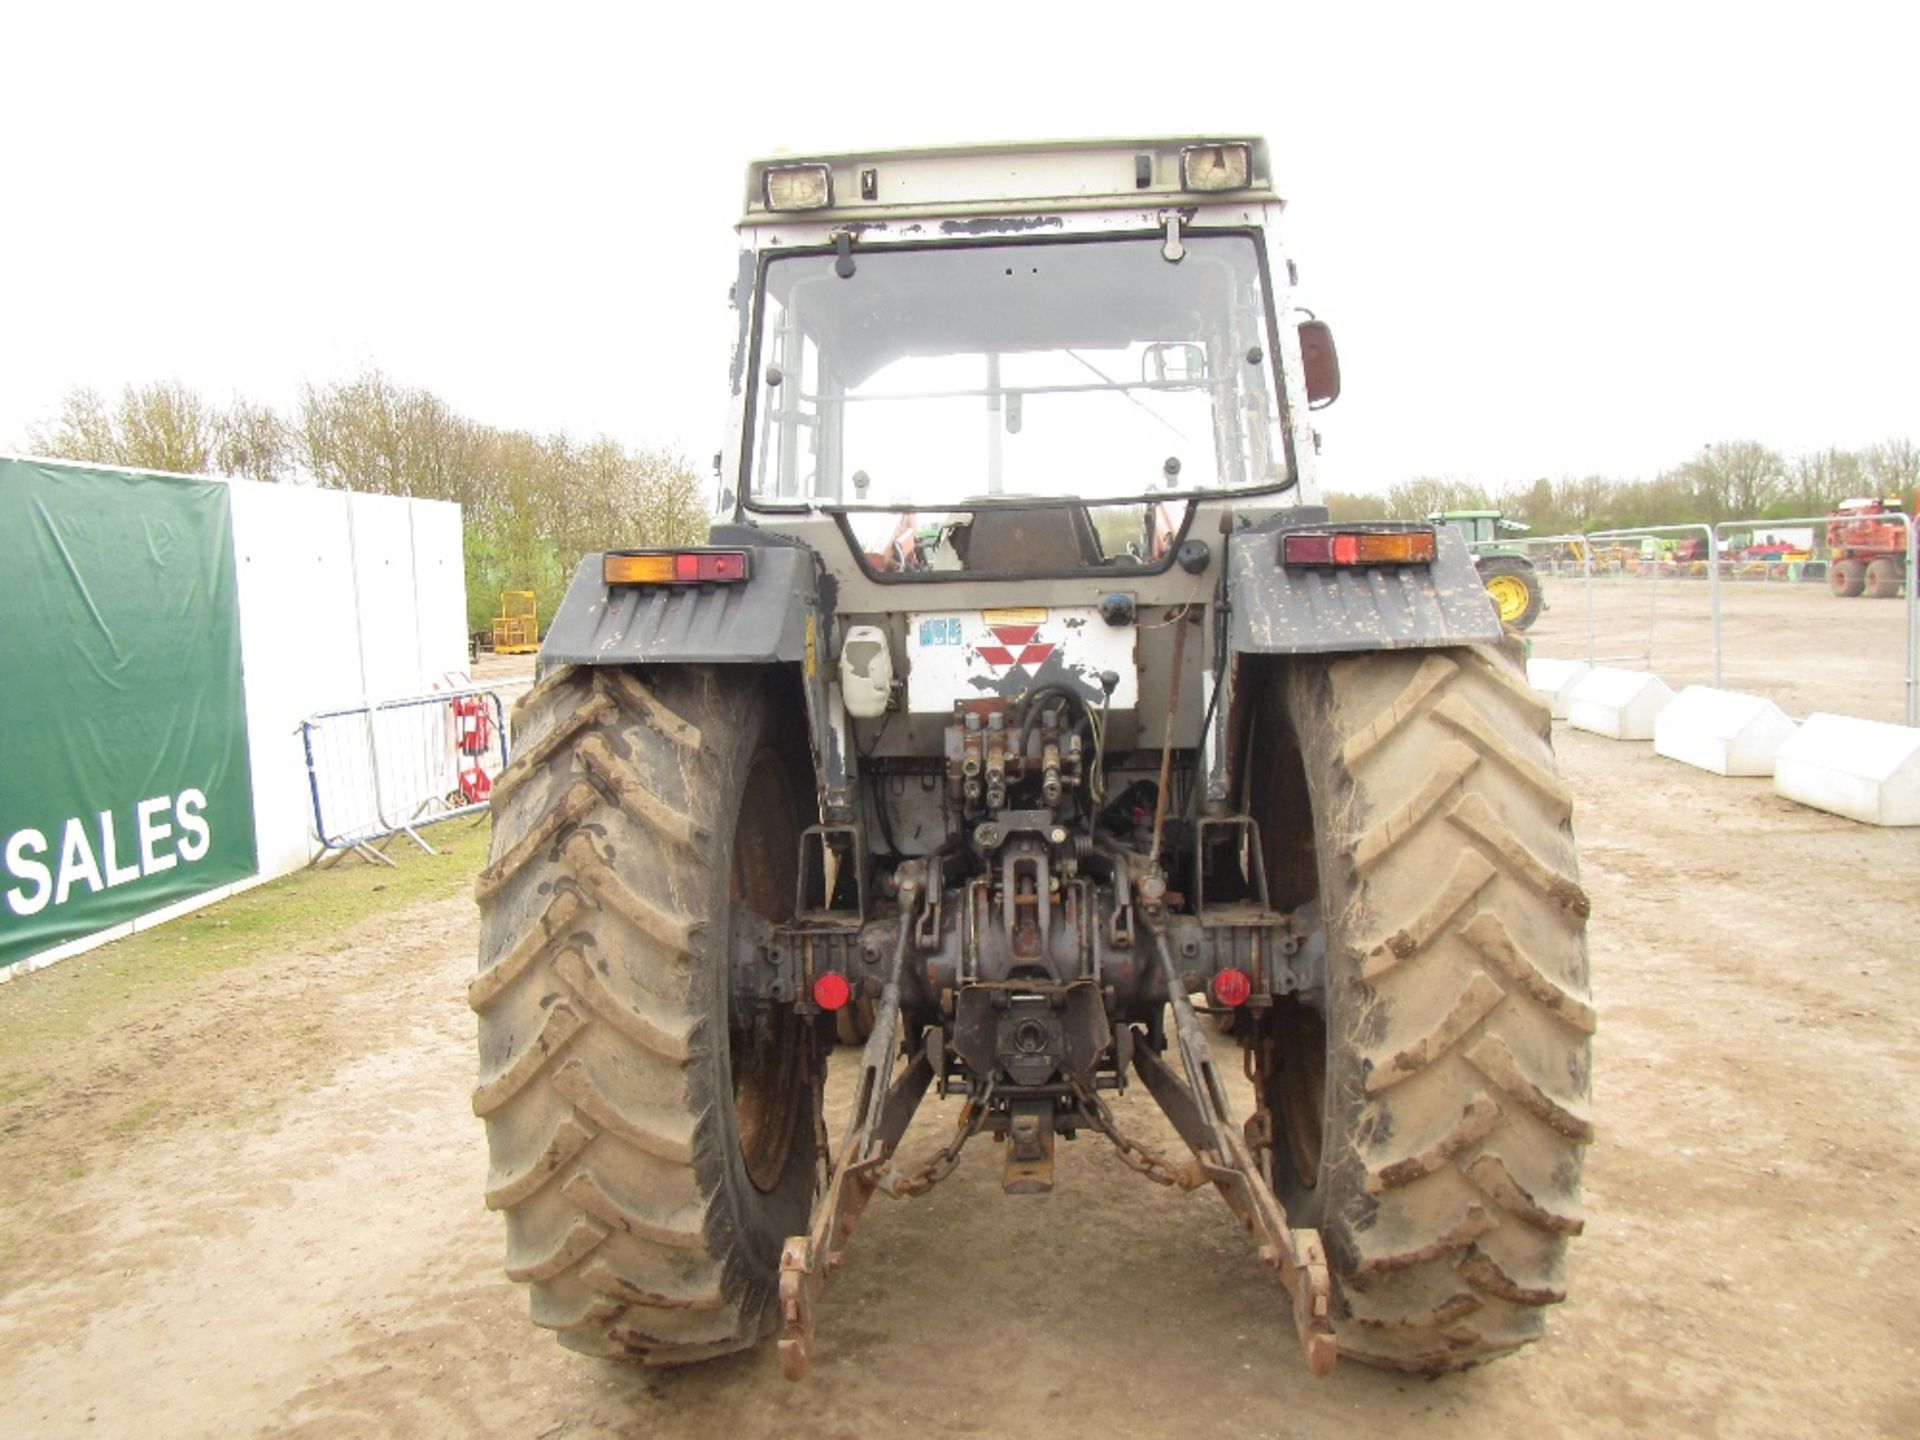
(1512, 582)
(1867, 548)
(1022, 713)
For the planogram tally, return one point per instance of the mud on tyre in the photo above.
(649, 1153)
(1429, 1110)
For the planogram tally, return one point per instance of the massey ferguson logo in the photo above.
(1017, 647)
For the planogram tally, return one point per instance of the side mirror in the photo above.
(1320, 362)
(1173, 363)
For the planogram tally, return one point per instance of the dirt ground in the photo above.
(1791, 642)
(296, 1247)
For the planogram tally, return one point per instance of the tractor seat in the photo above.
(1008, 540)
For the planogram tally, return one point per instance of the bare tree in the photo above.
(1820, 479)
(1734, 479)
(1426, 495)
(165, 426)
(1892, 467)
(253, 442)
(84, 431)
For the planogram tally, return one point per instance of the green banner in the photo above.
(124, 783)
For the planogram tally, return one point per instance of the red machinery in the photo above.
(472, 738)
(1867, 541)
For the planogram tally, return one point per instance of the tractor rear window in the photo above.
(931, 377)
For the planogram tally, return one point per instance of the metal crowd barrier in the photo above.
(393, 767)
(1718, 570)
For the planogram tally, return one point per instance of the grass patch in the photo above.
(102, 987)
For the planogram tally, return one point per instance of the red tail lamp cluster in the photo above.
(1332, 549)
(674, 567)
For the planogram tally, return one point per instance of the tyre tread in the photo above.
(585, 1086)
(1468, 1045)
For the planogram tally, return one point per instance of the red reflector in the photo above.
(831, 991)
(1232, 987)
(723, 565)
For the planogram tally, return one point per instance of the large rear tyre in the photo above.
(1883, 579)
(650, 1150)
(1847, 578)
(1514, 587)
(1429, 1108)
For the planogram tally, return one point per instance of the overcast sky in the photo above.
(1552, 239)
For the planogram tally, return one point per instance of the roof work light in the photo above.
(798, 187)
(1217, 167)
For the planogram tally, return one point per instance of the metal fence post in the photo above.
(1913, 621)
(1713, 594)
(1586, 566)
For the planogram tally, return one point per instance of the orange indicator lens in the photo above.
(1399, 547)
(638, 569)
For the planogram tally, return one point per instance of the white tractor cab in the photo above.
(1122, 332)
(1024, 705)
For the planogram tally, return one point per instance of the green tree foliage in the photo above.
(532, 505)
(1728, 480)
(1345, 507)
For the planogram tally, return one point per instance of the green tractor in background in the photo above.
(1505, 570)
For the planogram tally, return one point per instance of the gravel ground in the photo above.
(300, 1249)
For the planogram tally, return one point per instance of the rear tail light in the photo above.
(1358, 547)
(675, 567)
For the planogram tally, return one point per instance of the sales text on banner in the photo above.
(124, 782)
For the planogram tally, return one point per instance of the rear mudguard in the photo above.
(775, 616)
(1277, 611)
(781, 614)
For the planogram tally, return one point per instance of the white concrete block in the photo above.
(1863, 769)
(1555, 680)
(1620, 704)
(1722, 731)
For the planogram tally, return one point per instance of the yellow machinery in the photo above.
(516, 629)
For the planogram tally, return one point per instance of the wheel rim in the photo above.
(767, 1057)
(1300, 1088)
(1509, 596)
